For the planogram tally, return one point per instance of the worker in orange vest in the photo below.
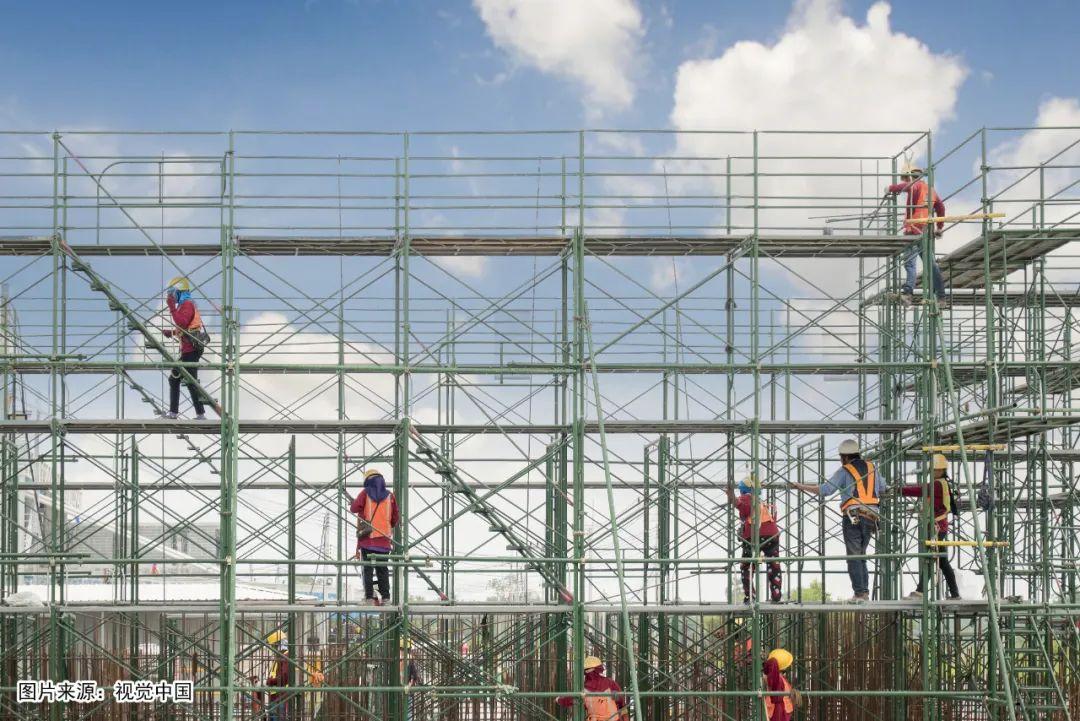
(377, 516)
(779, 707)
(611, 707)
(916, 208)
(860, 487)
(768, 539)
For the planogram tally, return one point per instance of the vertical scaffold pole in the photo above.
(230, 385)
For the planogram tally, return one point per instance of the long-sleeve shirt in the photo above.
(768, 528)
(595, 683)
(916, 198)
(372, 543)
(182, 315)
(940, 511)
(279, 675)
(774, 681)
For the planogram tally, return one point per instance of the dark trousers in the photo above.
(174, 384)
(770, 547)
(373, 569)
(946, 568)
(278, 710)
(856, 540)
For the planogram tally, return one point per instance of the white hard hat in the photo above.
(849, 447)
(940, 462)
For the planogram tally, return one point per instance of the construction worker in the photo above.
(277, 709)
(768, 538)
(779, 707)
(188, 329)
(611, 707)
(860, 487)
(918, 192)
(377, 516)
(942, 505)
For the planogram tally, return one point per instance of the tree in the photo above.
(511, 589)
(814, 593)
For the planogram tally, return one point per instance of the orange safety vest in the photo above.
(864, 488)
(377, 513)
(764, 516)
(601, 708)
(196, 320)
(789, 703)
(918, 193)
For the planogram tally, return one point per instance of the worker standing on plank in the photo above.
(779, 707)
(768, 538)
(188, 328)
(277, 709)
(942, 504)
(377, 517)
(611, 707)
(860, 487)
(916, 207)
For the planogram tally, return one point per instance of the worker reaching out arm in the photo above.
(768, 538)
(919, 196)
(860, 487)
(779, 706)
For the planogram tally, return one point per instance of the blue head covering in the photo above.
(182, 295)
(744, 488)
(375, 487)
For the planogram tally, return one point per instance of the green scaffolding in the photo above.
(561, 352)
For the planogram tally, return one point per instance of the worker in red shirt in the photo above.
(768, 538)
(599, 708)
(188, 329)
(916, 207)
(942, 503)
(779, 707)
(377, 517)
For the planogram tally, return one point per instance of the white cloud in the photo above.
(593, 42)
(1015, 184)
(668, 274)
(463, 266)
(825, 72)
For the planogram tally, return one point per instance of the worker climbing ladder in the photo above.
(134, 322)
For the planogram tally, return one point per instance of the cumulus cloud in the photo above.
(1015, 185)
(827, 71)
(592, 42)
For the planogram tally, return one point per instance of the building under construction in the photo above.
(559, 348)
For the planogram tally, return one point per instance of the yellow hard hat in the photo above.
(940, 462)
(592, 662)
(783, 657)
(371, 472)
(276, 637)
(180, 282)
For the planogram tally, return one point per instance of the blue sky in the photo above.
(379, 64)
